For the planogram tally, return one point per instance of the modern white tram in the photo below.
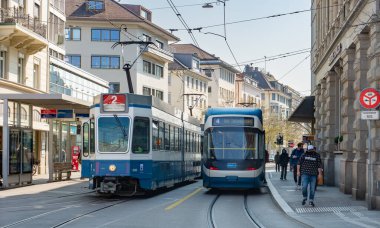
(134, 143)
(234, 148)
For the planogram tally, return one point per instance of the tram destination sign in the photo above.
(114, 102)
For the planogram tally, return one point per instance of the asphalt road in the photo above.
(189, 205)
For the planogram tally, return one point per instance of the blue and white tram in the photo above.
(233, 148)
(136, 143)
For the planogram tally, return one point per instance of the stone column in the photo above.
(360, 126)
(317, 115)
(322, 114)
(329, 122)
(373, 78)
(347, 99)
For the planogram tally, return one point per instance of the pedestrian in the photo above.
(309, 167)
(277, 161)
(294, 157)
(284, 160)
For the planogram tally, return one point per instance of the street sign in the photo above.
(369, 98)
(48, 113)
(114, 102)
(369, 115)
(65, 113)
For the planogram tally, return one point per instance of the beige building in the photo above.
(188, 85)
(92, 28)
(221, 90)
(248, 93)
(345, 60)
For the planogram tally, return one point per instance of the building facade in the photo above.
(188, 85)
(248, 94)
(344, 61)
(94, 26)
(221, 88)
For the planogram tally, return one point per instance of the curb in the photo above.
(284, 205)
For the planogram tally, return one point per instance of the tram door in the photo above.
(88, 146)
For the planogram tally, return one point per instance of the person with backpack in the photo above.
(284, 160)
(294, 157)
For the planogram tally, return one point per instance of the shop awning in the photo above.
(304, 113)
(56, 101)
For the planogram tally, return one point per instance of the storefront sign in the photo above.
(65, 113)
(335, 53)
(48, 113)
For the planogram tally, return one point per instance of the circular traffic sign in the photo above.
(369, 98)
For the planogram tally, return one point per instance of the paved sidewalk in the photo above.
(332, 208)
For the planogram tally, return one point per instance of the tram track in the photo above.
(66, 207)
(248, 213)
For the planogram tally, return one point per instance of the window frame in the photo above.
(104, 32)
(147, 140)
(105, 58)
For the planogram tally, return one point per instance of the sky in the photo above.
(251, 41)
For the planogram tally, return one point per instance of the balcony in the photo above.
(157, 53)
(22, 30)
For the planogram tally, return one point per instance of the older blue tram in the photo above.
(135, 143)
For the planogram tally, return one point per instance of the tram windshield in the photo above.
(113, 134)
(225, 143)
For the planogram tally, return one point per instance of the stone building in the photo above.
(344, 61)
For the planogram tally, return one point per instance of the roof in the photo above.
(258, 76)
(177, 65)
(77, 10)
(304, 113)
(234, 111)
(56, 101)
(191, 48)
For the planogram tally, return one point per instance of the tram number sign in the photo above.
(114, 102)
(369, 98)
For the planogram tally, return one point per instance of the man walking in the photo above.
(277, 161)
(294, 157)
(284, 160)
(309, 166)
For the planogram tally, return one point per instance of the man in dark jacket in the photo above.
(284, 160)
(277, 161)
(294, 157)
(309, 166)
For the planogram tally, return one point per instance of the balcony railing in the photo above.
(155, 48)
(17, 15)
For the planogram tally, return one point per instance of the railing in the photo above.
(17, 15)
(163, 51)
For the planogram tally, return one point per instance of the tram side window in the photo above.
(92, 137)
(155, 139)
(167, 137)
(86, 145)
(140, 140)
(172, 138)
(161, 132)
(180, 139)
(260, 146)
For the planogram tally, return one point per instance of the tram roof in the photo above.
(235, 111)
(56, 101)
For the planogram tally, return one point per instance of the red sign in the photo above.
(114, 102)
(369, 98)
(48, 113)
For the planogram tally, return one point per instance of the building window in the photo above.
(114, 87)
(105, 62)
(160, 94)
(159, 71)
(106, 35)
(146, 38)
(20, 70)
(153, 92)
(160, 44)
(74, 60)
(273, 96)
(188, 81)
(95, 5)
(73, 34)
(209, 89)
(36, 11)
(144, 14)
(36, 76)
(2, 63)
(195, 64)
(146, 91)
(152, 68)
(196, 84)
(192, 83)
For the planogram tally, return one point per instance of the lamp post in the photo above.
(209, 5)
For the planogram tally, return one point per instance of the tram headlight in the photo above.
(112, 168)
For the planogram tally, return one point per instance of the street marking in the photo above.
(182, 200)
